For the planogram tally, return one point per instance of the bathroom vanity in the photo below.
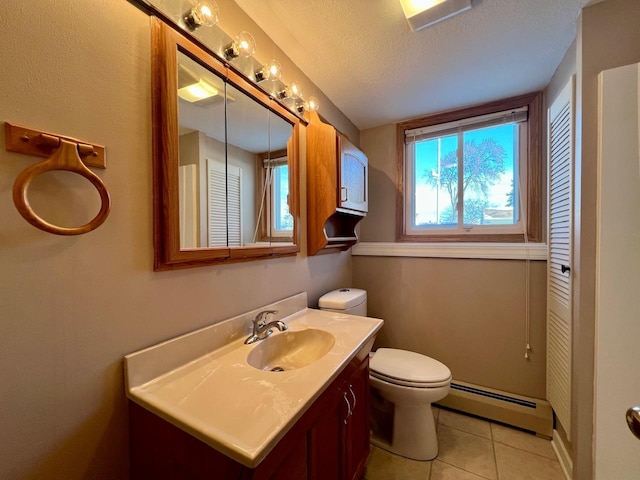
(205, 405)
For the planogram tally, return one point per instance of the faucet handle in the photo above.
(262, 316)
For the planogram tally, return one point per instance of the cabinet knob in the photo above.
(346, 194)
(565, 268)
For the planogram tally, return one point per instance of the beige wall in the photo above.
(608, 37)
(561, 76)
(469, 314)
(71, 307)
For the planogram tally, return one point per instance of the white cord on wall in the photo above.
(527, 324)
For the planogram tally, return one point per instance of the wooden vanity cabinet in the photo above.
(330, 441)
(346, 418)
(337, 187)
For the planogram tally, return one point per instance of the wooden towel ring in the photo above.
(65, 157)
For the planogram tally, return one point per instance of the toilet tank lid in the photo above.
(342, 298)
(411, 366)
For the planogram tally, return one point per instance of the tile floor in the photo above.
(472, 449)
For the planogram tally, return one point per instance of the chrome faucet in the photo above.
(262, 329)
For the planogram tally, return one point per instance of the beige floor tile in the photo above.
(443, 471)
(515, 464)
(466, 451)
(522, 440)
(383, 465)
(465, 423)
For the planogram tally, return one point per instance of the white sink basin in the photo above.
(291, 350)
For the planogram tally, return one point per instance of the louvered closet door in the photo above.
(559, 317)
(224, 203)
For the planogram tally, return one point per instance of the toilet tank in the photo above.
(345, 300)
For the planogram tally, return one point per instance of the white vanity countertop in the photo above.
(235, 408)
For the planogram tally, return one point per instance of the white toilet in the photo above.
(403, 386)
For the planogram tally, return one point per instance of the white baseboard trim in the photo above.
(563, 456)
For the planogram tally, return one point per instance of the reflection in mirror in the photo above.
(247, 135)
(225, 161)
(201, 111)
(233, 168)
(275, 222)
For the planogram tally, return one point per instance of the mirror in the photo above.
(225, 161)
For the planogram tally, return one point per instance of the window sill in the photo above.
(502, 251)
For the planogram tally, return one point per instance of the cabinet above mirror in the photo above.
(225, 161)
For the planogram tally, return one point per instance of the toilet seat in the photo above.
(409, 369)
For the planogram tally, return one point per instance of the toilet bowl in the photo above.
(403, 386)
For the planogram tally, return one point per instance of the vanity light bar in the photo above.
(205, 12)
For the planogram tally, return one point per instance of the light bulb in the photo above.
(204, 12)
(244, 45)
(271, 71)
(312, 103)
(275, 70)
(294, 90)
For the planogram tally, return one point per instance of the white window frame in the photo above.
(518, 116)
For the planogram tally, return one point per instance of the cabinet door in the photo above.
(325, 441)
(356, 430)
(354, 169)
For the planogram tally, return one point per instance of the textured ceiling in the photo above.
(365, 58)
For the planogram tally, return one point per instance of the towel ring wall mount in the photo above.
(63, 153)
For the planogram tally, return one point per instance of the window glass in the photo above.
(489, 175)
(283, 221)
(482, 193)
(436, 182)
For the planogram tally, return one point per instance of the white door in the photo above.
(617, 362)
(559, 314)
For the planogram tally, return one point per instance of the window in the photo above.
(282, 224)
(277, 223)
(472, 174)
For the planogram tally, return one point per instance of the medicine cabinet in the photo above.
(225, 161)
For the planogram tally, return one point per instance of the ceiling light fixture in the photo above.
(244, 45)
(271, 71)
(423, 13)
(198, 91)
(203, 12)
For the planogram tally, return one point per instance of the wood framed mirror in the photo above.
(225, 161)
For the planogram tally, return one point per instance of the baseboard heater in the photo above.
(528, 413)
